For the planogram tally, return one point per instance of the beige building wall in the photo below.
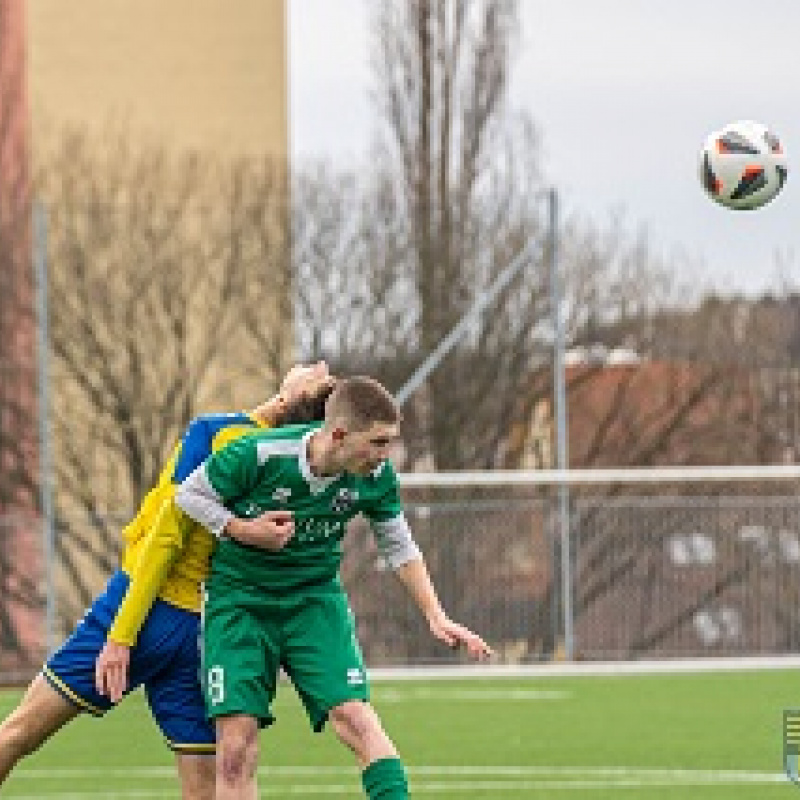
(183, 74)
(198, 73)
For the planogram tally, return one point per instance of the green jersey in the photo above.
(269, 470)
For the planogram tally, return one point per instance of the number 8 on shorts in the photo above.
(216, 685)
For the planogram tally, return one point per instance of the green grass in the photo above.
(709, 736)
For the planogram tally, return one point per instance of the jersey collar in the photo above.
(315, 483)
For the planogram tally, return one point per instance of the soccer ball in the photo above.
(743, 166)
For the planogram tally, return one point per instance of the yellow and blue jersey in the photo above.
(166, 553)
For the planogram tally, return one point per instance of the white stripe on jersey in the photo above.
(394, 540)
(198, 498)
(279, 447)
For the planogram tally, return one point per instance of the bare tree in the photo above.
(456, 195)
(459, 174)
(714, 386)
(352, 303)
(388, 261)
(169, 295)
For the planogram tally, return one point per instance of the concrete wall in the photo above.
(207, 73)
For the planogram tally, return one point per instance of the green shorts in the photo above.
(247, 638)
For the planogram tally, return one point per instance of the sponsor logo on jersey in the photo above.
(316, 530)
(344, 500)
(252, 510)
(281, 494)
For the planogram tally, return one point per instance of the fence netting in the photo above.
(654, 570)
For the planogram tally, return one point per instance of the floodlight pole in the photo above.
(560, 403)
(45, 460)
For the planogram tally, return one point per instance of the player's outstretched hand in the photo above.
(111, 670)
(271, 531)
(455, 636)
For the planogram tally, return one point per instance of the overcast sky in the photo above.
(624, 92)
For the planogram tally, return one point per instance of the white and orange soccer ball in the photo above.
(743, 165)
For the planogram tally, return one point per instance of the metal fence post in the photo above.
(560, 402)
(45, 459)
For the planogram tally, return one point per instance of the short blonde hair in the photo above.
(358, 402)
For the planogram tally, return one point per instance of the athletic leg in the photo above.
(40, 713)
(196, 773)
(324, 661)
(169, 638)
(64, 688)
(357, 726)
(237, 757)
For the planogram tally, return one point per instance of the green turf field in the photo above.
(709, 736)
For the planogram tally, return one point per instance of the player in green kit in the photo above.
(274, 595)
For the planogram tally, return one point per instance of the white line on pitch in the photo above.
(399, 695)
(511, 772)
(462, 788)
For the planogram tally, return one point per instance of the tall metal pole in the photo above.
(45, 460)
(560, 401)
(458, 331)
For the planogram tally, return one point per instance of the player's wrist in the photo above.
(119, 640)
(241, 530)
(232, 529)
(435, 616)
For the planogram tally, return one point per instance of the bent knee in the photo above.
(353, 719)
(20, 735)
(40, 713)
(236, 761)
(237, 752)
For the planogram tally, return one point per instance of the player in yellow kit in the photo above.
(143, 629)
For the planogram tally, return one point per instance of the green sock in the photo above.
(385, 779)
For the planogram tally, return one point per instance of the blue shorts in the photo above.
(165, 660)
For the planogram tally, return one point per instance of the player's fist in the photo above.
(271, 531)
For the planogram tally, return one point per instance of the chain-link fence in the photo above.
(687, 576)
(668, 575)
(653, 573)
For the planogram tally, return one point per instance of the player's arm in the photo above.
(162, 545)
(401, 553)
(228, 474)
(163, 542)
(416, 579)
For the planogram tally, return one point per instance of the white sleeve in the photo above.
(198, 498)
(395, 542)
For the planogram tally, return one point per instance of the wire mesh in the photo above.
(657, 568)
